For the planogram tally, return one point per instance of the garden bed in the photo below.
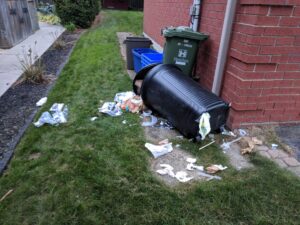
(18, 103)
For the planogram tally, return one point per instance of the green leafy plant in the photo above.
(79, 12)
(49, 18)
(70, 27)
(33, 71)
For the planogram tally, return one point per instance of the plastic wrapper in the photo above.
(159, 150)
(111, 108)
(58, 114)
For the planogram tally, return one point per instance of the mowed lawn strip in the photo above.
(98, 172)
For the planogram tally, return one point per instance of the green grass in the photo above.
(98, 172)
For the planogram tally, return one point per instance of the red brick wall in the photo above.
(212, 17)
(262, 79)
(262, 75)
(159, 14)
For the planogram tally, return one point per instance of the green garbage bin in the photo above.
(181, 47)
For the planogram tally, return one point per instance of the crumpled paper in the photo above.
(58, 114)
(215, 168)
(159, 150)
(111, 108)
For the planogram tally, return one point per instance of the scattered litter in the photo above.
(124, 122)
(147, 112)
(204, 125)
(191, 166)
(210, 143)
(210, 177)
(167, 170)
(191, 160)
(58, 115)
(177, 146)
(6, 195)
(45, 118)
(59, 112)
(134, 104)
(215, 168)
(257, 141)
(149, 121)
(123, 96)
(94, 118)
(250, 144)
(57, 107)
(227, 132)
(182, 177)
(111, 108)
(41, 102)
(165, 124)
(242, 132)
(164, 142)
(226, 145)
(274, 146)
(159, 150)
(179, 136)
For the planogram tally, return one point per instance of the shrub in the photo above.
(79, 12)
(70, 27)
(49, 18)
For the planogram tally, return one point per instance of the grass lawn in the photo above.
(98, 173)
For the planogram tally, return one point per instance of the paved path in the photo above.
(10, 68)
(281, 158)
(290, 135)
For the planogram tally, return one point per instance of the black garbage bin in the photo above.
(135, 42)
(178, 98)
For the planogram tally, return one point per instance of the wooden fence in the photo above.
(16, 22)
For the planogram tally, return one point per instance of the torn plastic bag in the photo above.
(57, 107)
(61, 116)
(46, 118)
(159, 150)
(134, 104)
(204, 125)
(58, 114)
(111, 108)
(167, 170)
(123, 96)
(179, 99)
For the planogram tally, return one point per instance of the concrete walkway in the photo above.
(10, 67)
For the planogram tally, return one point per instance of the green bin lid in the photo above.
(184, 32)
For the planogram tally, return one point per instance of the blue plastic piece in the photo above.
(137, 57)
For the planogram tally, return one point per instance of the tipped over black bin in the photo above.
(178, 98)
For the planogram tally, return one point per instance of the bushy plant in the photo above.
(33, 71)
(70, 27)
(49, 18)
(79, 12)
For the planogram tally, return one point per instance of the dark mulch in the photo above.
(18, 103)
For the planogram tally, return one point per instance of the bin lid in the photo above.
(185, 32)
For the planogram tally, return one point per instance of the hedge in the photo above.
(79, 12)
